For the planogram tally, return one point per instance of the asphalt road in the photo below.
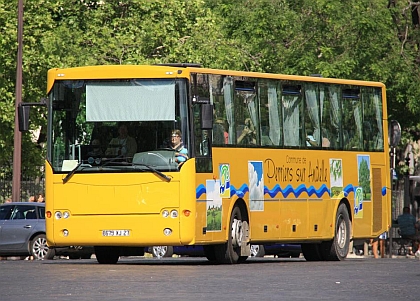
(139, 278)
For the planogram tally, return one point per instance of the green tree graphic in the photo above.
(364, 178)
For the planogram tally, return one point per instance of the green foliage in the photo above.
(357, 39)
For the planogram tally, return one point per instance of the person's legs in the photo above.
(374, 243)
(412, 246)
(382, 247)
(416, 245)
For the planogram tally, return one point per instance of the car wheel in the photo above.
(257, 251)
(39, 248)
(162, 251)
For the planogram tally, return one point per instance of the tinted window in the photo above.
(24, 212)
(5, 212)
(41, 212)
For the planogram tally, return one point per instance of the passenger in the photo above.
(310, 140)
(96, 149)
(123, 145)
(181, 154)
(32, 199)
(247, 136)
(409, 229)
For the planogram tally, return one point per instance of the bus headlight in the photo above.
(65, 232)
(165, 213)
(167, 231)
(66, 214)
(174, 213)
(58, 215)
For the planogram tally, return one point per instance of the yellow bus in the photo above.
(265, 158)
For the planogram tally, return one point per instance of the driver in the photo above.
(181, 153)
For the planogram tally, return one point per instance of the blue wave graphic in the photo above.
(298, 191)
(240, 192)
(348, 189)
(200, 190)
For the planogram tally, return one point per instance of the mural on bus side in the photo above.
(363, 192)
(224, 176)
(363, 168)
(256, 185)
(336, 178)
(214, 205)
(299, 169)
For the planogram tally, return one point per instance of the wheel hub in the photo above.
(237, 233)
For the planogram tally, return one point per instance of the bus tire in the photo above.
(229, 252)
(257, 251)
(338, 248)
(162, 251)
(311, 251)
(107, 255)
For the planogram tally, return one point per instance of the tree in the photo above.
(357, 39)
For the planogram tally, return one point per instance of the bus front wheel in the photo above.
(107, 255)
(338, 248)
(230, 252)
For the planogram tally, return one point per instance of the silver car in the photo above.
(22, 233)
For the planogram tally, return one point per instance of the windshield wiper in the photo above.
(162, 175)
(71, 173)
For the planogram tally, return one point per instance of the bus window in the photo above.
(372, 119)
(246, 113)
(291, 108)
(312, 116)
(352, 118)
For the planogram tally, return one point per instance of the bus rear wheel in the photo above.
(230, 252)
(107, 255)
(338, 248)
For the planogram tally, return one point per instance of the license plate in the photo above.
(115, 232)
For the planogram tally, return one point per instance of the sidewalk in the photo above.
(355, 256)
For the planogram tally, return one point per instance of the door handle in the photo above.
(27, 226)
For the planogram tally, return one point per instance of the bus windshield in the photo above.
(116, 125)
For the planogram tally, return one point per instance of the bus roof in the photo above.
(178, 71)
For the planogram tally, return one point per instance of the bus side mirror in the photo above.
(23, 117)
(394, 133)
(206, 116)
